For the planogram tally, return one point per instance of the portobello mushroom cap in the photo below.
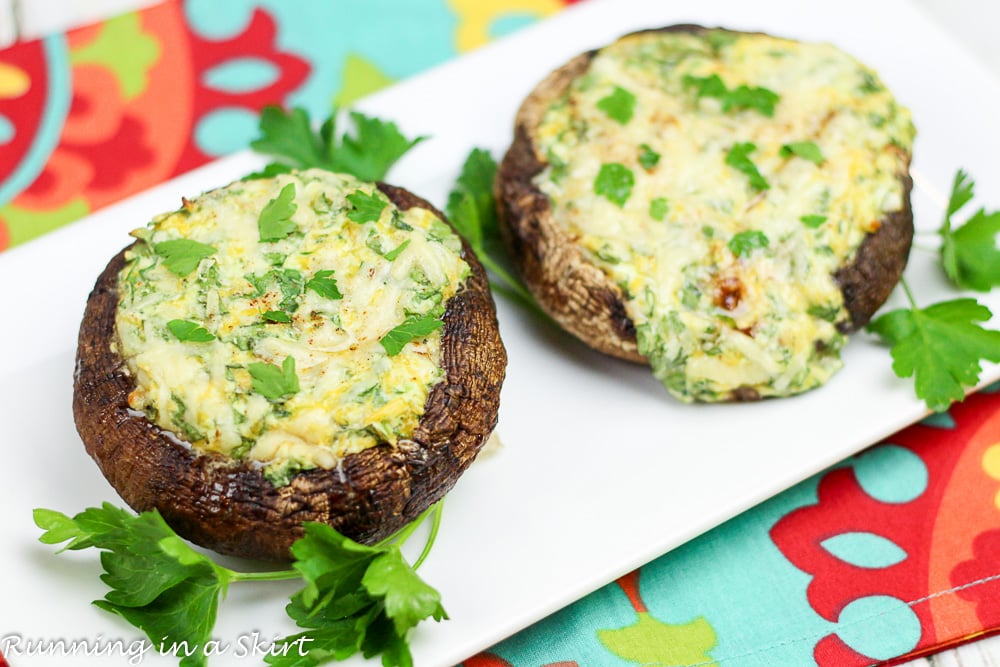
(230, 506)
(583, 299)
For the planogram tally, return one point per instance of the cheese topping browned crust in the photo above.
(720, 180)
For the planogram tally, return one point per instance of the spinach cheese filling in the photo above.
(287, 322)
(720, 179)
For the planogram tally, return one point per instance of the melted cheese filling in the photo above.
(352, 393)
(730, 284)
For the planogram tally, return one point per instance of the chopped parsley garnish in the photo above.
(413, 327)
(658, 208)
(277, 316)
(619, 105)
(189, 331)
(395, 252)
(812, 221)
(969, 253)
(182, 256)
(367, 154)
(275, 221)
(806, 150)
(738, 158)
(614, 182)
(367, 207)
(274, 383)
(325, 285)
(744, 243)
(828, 313)
(741, 98)
(648, 158)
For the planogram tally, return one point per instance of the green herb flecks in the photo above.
(182, 256)
(324, 284)
(272, 382)
(277, 316)
(619, 105)
(412, 328)
(738, 158)
(658, 208)
(741, 98)
(807, 150)
(812, 221)
(614, 182)
(186, 330)
(744, 243)
(648, 158)
(275, 220)
(395, 252)
(366, 207)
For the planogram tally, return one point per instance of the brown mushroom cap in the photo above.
(581, 297)
(231, 507)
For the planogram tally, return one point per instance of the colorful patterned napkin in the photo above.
(893, 553)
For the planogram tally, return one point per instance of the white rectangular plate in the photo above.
(600, 471)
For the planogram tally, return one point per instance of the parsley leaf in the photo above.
(812, 221)
(369, 153)
(290, 136)
(275, 220)
(738, 158)
(413, 327)
(158, 583)
(977, 257)
(648, 158)
(182, 256)
(189, 331)
(744, 243)
(807, 150)
(356, 598)
(658, 208)
(471, 208)
(741, 98)
(367, 207)
(395, 252)
(706, 86)
(277, 316)
(939, 346)
(324, 284)
(614, 182)
(619, 105)
(273, 383)
(969, 253)
(756, 98)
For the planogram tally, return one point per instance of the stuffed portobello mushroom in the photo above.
(724, 206)
(306, 347)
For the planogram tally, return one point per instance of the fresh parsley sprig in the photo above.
(356, 597)
(157, 582)
(472, 210)
(368, 152)
(969, 253)
(943, 345)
